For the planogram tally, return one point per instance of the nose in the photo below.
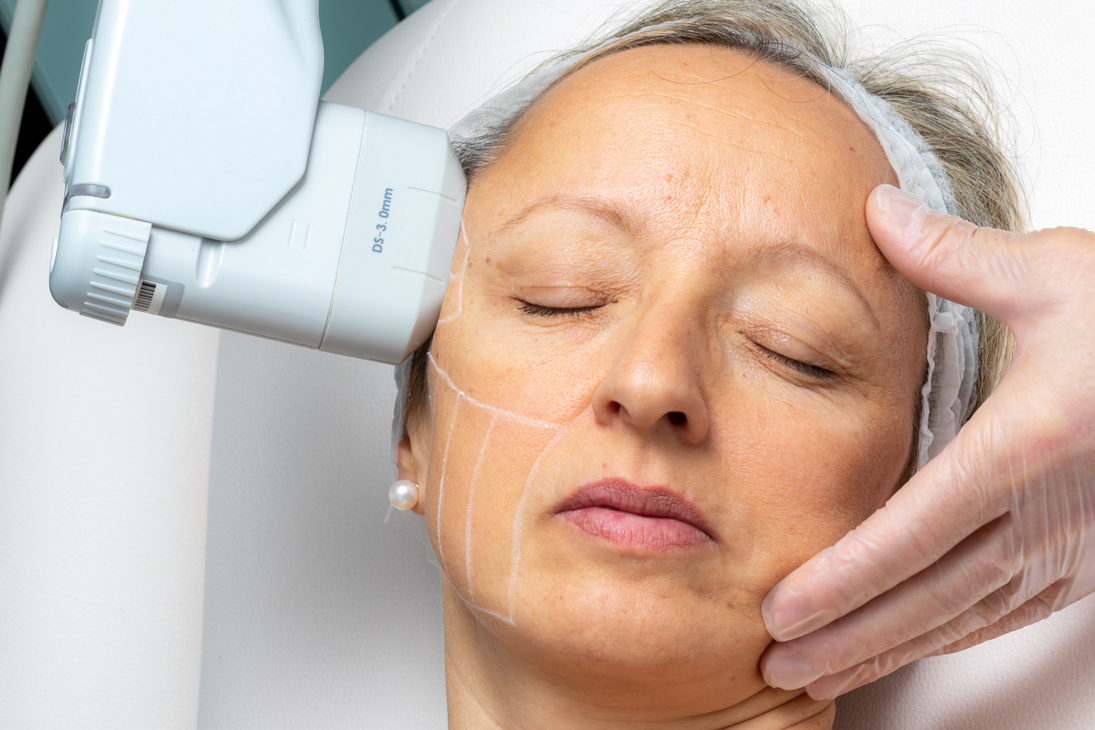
(654, 382)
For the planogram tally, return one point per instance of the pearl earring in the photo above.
(403, 494)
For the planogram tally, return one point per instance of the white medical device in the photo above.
(206, 181)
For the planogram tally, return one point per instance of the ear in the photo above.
(411, 462)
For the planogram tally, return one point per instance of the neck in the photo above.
(491, 686)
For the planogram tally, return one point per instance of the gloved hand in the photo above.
(996, 532)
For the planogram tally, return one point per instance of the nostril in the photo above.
(677, 418)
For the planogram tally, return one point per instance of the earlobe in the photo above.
(410, 469)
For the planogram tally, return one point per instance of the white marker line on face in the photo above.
(480, 609)
(467, 515)
(463, 272)
(524, 420)
(517, 524)
(509, 416)
(441, 484)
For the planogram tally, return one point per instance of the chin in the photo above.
(646, 634)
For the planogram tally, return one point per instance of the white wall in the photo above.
(1044, 55)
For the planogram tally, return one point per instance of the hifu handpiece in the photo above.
(205, 181)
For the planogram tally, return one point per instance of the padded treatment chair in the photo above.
(193, 524)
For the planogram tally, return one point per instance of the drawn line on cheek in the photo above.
(471, 501)
(517, 523)
(496, 413)
(523, 420)
(463, 273)
(441, 485)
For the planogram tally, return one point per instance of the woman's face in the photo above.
(671, 366)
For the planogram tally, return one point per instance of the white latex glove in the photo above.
(996, 532)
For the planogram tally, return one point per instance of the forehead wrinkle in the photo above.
(769, 152)
(765, 129)
(735, 113)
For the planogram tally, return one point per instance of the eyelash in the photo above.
(805, 368)
(539, 310)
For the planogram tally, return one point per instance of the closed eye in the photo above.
(805, 368)
(539, 310)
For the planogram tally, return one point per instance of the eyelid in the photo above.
(808, 346)
(808, 369)
(542, 299)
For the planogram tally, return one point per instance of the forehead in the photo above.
(753, 138)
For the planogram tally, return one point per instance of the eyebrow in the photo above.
(618, 217)
(607, 211)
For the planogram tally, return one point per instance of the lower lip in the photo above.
(628, 528)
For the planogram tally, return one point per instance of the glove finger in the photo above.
(979, 267)
(832, 686)
(932, 643)
(1030, 612)
(973, 570)
(937, 509)
(985, 620)
(1020, 603)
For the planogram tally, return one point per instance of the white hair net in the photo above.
(952, 333)
(952, 365)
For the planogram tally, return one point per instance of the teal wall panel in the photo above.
(409, 6)
(66, 28)
(349, 27)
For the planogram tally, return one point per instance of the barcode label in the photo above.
(150, 297)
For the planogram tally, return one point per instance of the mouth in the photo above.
(623, 513)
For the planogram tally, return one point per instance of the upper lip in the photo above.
(622, 495)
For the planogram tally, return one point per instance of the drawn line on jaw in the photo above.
(463, 272)
(517, 526)
(480, 609)
(471, 501)
(524, 420)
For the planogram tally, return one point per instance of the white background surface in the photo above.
(317, 613)
(1044, 55)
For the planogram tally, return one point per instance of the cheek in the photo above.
(483, 458)
(806, 479)
(498, 403)
(497, 362)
